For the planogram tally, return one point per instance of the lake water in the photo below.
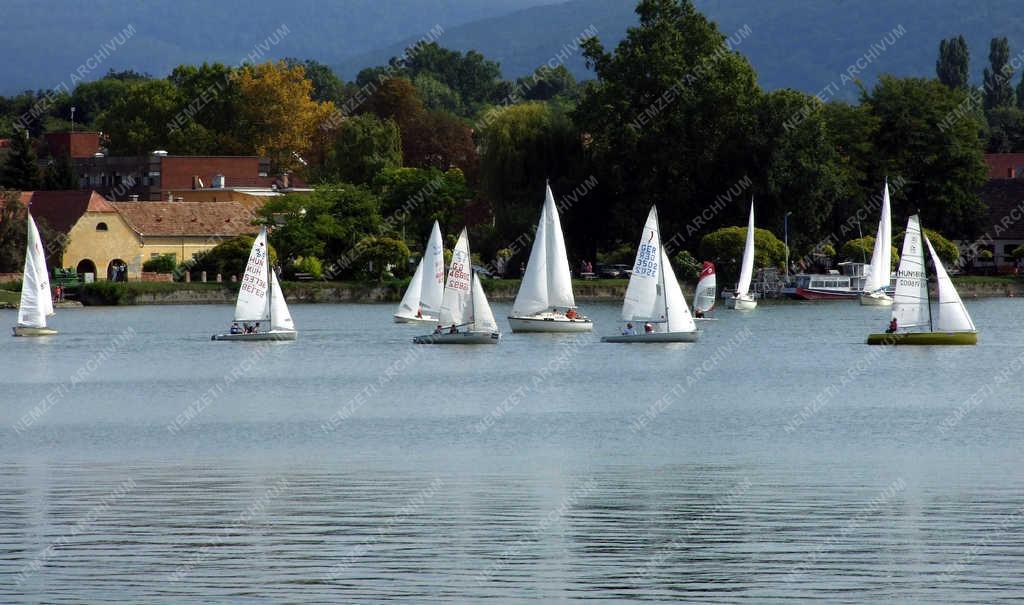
(779, 457)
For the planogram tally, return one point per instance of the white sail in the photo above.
(280, 317)
(483, 318)
(253, 295)
(910, 301)
(881, 257)
(678, 314)
(532, 297)
(953, 316)
(644, 299)
(704, 295)
(433, 273)
(410, 304)
(559, 278)
(36, 302)
(747, 265)
(457, 302)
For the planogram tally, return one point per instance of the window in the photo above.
(101, 226)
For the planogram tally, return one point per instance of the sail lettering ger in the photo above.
(646, 263)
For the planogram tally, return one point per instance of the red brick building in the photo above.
(82, 144)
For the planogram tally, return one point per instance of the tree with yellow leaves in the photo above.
(278, 115)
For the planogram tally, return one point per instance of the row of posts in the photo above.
(202, 277)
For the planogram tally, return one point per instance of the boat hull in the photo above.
(924, 338)
(655, 337)
(875, 300)
(705, 319)
(744, 303)
(28, 331)
(462, 338)
(550, 323)
(816, 294)
(257, 337)
(401, 319)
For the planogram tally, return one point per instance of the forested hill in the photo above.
(802, 44)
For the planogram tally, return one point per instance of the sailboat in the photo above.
(880, 269)
(464, 304)
(545, 302)
(36, 302)
(260, 299)
(704, 295)
(742, 299)
(422, 300)
(653, 296)
(911, 309)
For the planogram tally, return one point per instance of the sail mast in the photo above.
(661, 279)
(924, 269)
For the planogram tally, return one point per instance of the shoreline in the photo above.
(610, 290)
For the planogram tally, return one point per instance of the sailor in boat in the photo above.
(235, 328)
(453, 329)
(256, 328)
(892, 327)
(699, 314)
(419, 313)
(648, 328)
(629, 330)
(438, 330)
(571, 314)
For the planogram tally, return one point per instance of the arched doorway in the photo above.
(117, 270)
(86, 266)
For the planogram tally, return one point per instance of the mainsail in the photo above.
(704, 295)
(645, 297)
(910, 301)
(253, 296)
(881, 257)
(547, 283)
(747, 265)
(483, 318)
(457, 302)
(36, 303)
(953, 316)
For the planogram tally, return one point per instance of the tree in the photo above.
(1005, 130)
(21, 171)
(998, 91)
(437, 95)
(667, 120)
(940, 161)
(470, 75)
(413, 198)
(278, 116)
(546, 83)
(379, 255)
(327, 86)
(363, 146)
(137, 121)
(14, 233)
(724, 247)
(228, 258)
(852, 130)
(952, 66)
(210, 100)
(163, 263)
(60, 174)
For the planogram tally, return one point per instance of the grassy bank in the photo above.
(9, 298)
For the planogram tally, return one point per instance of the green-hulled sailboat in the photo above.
(911, 309)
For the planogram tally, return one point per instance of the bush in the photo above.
(724, 247)
(161, 264)
(381, 253)
(624, 254)
(309, 264)
(948, 252)
(105, 293)
(687, 268)
(227, 258)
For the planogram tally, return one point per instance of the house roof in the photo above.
(187, 218)
(62, 209)
(1005, 199)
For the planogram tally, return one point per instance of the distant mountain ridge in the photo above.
(801, 44)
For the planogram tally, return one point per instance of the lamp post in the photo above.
(72, 118)
(785, 235)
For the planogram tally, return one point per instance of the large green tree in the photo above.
(668, 119)
(940, 160)
(952, 66)
(363, 146)
(998, 90)
(137, 122)
(413, 198)
(21, 170)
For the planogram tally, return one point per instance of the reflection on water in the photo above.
(563, 496)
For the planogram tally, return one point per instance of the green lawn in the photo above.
(6, 296)
(995, 280)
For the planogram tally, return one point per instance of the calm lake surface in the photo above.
(779, 457)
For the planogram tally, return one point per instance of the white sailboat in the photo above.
(704, 294)
(742, 299)
(545, 301)
(911, 310)
(654, 301)
(463, 305)
(260, 300)
(880, 269)
(36, 301)
(422, 300)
